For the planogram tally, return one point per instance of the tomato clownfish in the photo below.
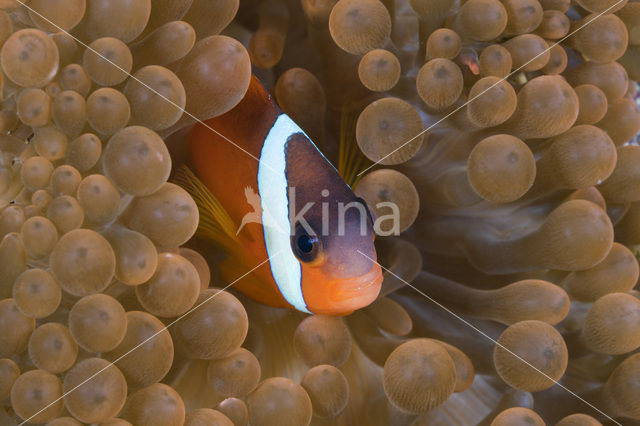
(250, 190)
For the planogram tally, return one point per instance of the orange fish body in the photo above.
(265, 171)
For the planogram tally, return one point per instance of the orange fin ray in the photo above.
(215, 222)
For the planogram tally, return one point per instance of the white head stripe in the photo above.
(272, 185)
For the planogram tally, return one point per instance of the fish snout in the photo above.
(340, 295)
(350, 294)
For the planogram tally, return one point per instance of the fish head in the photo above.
(332, 234)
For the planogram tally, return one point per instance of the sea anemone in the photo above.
(495, 143)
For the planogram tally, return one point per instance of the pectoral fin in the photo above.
(215, 222)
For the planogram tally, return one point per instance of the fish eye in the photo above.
(305, 243)
(306, 247)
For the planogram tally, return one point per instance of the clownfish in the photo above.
(265, 191)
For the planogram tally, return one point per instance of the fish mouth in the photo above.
(357, 292)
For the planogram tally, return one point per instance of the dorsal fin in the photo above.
(241, 119)
(256, 96)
